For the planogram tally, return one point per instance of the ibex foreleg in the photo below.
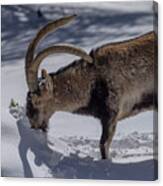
(108, 131)
(108, 121)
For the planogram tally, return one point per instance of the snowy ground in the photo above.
(69, 150)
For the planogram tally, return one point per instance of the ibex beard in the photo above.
(113, 82)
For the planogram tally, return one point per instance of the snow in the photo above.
(70, 147)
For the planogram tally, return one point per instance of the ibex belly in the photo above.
(136, 103)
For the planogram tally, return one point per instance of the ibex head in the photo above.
(40, 97)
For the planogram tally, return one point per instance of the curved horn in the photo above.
(42, 33)
(70, 49)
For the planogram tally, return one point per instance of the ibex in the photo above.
(113, 82)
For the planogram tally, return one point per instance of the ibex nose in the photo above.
(33, 127)
(43, 128)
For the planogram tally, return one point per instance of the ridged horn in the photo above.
(70, 49)
(31, 49)
(32, 65)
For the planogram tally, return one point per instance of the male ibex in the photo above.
(113, 82)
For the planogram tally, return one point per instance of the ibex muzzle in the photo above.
(113, 82)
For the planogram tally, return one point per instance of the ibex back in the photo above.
(113, 82)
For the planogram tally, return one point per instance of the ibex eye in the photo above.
(38, 102)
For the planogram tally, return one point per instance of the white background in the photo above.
(43, 181)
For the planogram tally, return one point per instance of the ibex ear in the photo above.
(44, 74)
(45, 85)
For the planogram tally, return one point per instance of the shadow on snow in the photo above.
(74, 166)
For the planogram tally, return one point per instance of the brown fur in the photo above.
(118, 84)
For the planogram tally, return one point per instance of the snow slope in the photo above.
(69, 150)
